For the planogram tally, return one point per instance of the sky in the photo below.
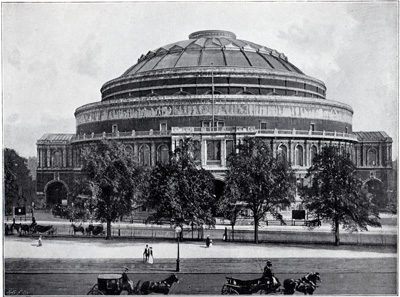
(56, 56)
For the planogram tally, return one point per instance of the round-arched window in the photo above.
(371, 157)
(144, 155)
(129, 150)
(163, 154)
(282, 152)
(57, 159)
(299, 156)
(313, 153)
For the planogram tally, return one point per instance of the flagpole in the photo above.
(212, 95)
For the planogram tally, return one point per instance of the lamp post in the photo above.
(178, 231)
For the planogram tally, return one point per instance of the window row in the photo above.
(218, 81)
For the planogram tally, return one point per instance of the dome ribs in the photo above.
(177, 60)
(266, 60)
(280, 62)
(173, 67)
(223, 55)
(155, 66)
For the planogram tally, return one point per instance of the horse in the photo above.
(44, 229)
(314, 223)
(156, 287)
(78, 229)
(306, 284)
(21, 228)
(95, 230)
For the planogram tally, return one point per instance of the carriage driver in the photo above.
(127, 284)
(268, 275)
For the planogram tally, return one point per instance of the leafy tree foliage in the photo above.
(111, 176)
(260, 180)
(19, 189)
(180, 191)
(231, 207)
(335, 193)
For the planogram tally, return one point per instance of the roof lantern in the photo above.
(211, 34)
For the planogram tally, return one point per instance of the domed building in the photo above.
(216, 89)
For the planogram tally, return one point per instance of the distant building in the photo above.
(216, 89)
(32, 166)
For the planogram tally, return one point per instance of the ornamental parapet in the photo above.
(251, 131)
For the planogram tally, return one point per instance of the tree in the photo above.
(335, 193)
(19, 189)
(230, 206)
(262, 182)
(180, 191)
(111, 175)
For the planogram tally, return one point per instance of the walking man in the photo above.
(146, 254)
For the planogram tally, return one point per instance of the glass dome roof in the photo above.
(212, 47)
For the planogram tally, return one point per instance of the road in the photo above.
(333, 283)
(71, 266)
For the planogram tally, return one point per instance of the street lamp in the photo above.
(178, 231)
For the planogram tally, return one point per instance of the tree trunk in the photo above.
(337, 239)
(108, 229)
(255, 230)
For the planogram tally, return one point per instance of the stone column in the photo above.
(273, 149)
(48, 156)
(291, 152)
(69, 157)
(223, 152)
(203, 152)
(136, 150)
(40, 155)
(306, 153)
(64, 155)
(365, 156)
(379, 159)
(153, 154)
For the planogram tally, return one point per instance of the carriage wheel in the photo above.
(95, 291)
(229, 291)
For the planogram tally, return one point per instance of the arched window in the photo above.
(129, 150)
(197, 150)
(163, 154)
(371, 157)
(313, 153)
(299, 155)
(282, 152)
(57, 159)
(144, 155)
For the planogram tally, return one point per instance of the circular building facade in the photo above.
(216, 89)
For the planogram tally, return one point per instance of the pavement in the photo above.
(22, 255)
(85, 248)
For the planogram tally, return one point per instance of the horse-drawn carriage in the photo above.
(107, 284)
(113, 284)
(90, 230)
(33, 229)
(305, 285)
(234, 286)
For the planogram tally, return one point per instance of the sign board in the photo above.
(64, 202)
(19, 211)
(298, 214)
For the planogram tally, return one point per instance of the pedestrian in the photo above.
(208, 241)
(225, 237)
(40, 241)
(146, 254)
(127, 284)
(151, 258)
